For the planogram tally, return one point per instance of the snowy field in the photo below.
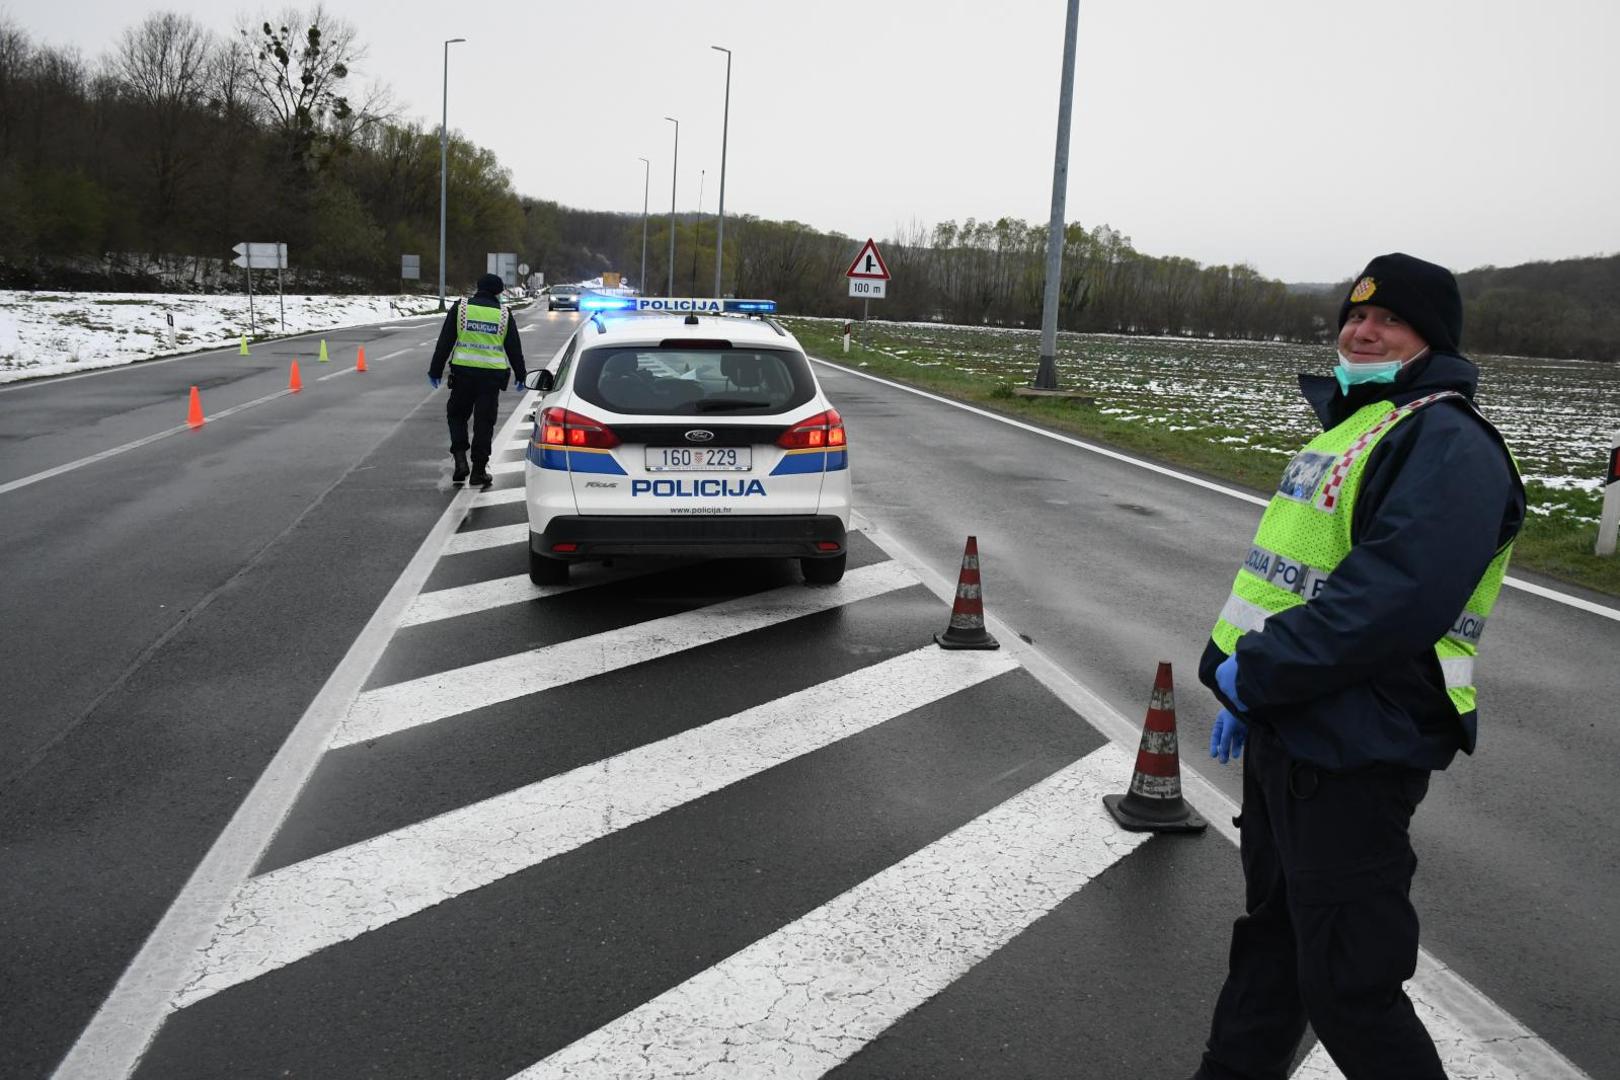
(1558, 416)
(49, 333)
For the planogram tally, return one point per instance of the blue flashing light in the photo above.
(606, 303)
(751, 307)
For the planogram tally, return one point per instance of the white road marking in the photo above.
(499, 496)
(1441, 992)
(504, 468)
(480, 539)
(353, 370)
(116, 1037)
(467, 599)
(431, 698)
(804, 999)
(1483, 1048)
(1535, 590)
(296, 911)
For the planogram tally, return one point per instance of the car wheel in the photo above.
(547, 571)
(823, 571)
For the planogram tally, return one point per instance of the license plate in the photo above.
(700, 459)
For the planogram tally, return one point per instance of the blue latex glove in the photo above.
(433, 382)
(1226, 739)
(1226, 679)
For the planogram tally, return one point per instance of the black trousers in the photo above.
(1329, 932)
(477, 394)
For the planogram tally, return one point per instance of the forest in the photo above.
(141, 169)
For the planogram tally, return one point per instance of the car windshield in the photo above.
(570, 289)
(669, 380)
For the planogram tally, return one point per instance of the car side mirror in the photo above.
(541, 380)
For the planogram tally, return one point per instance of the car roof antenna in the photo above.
(691, 320)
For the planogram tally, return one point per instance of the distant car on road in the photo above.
(563, 298)
(684, 427)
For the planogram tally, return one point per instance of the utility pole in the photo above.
(444, 161)
(673, 166)
(646, 181)
(1046, 374)
(720, 217)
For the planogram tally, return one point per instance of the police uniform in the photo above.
(1355, 620)
(480, 342)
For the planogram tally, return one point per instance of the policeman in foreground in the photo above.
(1345, 659)
(480, 340)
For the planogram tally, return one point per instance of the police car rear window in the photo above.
(664, 380)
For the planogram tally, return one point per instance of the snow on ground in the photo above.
(49, 333)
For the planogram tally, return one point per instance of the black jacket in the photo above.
(447, 340)
(1350, 679)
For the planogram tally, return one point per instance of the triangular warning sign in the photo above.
(868, 264)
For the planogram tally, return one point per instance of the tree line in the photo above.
(142, 169)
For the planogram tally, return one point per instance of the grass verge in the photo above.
(1558, 545)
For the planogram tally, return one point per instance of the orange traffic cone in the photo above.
(967, 614)
(1154, 803)
(295, 384)
(194, 415)
(360, 361)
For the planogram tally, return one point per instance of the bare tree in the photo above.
(298, 69)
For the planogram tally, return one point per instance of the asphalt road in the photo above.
(172, 611)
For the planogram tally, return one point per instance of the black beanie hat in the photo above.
(1423, 294)
(492, 284)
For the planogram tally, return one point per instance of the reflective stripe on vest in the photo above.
(1305, 534)
(480, 336)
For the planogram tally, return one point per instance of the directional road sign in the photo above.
(261, 256)
(410, 266)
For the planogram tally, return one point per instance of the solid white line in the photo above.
(1444, 993)
(401, 706)
(1517, 583)
(297, 910)
(499, 496)
(118, 1035)
(503, 468)
(481, 539)
(797, 1003)
(353, 370)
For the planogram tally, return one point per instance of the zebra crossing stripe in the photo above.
(499, 496)
(401, 706)
(297, 910)
(467, 599)
(481, 539)
(804, 999)
(504, 468)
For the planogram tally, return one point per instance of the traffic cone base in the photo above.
(360, 360)
(1154, 802)
(966, 630)
(194, 413)
(295, 384)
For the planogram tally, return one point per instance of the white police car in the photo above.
(684, 427)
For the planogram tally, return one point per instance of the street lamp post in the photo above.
(720, 216)
(444, 161)
(673, 165)
(697, 230)
(646, 181)
(1046, 373)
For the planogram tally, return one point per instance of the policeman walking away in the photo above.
(480, 340)
(1344, 657)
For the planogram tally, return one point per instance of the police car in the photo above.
(672, 426)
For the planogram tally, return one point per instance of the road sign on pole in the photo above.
(867, 288)
(868, 264)
(410, 266)
(503, 263)
(261, 256)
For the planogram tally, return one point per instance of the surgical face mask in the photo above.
(1349, 373)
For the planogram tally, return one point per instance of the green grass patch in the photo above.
(961, 363)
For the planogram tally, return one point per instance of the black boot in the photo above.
(461, 467)
(480, 475)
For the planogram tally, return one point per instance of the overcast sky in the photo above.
(1299, 136)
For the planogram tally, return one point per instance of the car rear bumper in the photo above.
(716, 537)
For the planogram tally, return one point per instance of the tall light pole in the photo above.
(646, 181)
(673, 165)
(720, 217)
(697, 230)
(444, 161)
(1046, 374)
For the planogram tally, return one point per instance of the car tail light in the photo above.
(823, 431)
(826, 545)
(564, 427)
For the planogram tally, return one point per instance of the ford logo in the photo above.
(699, 435)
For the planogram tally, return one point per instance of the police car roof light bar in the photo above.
(679, 305)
